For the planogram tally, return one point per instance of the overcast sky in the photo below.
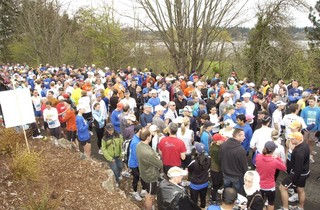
(125, 7)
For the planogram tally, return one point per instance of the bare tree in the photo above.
(188, 28)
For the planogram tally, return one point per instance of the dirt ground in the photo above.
(66, 182)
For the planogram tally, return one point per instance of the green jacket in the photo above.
(149, 163)
(111, 146)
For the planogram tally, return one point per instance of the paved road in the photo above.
(312, 187)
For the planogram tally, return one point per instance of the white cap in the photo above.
(251, 84)
(60, 98)
(178, 120)
(159, 108)
(199, 83)
(232, 78)
(181, 77)
(176, 171)
(158, 77)
(226, 95)
(246, 95)
(189, 83)
(221, 83)
(187, 109)
(280, 103)
(153, 91)
(153, 128)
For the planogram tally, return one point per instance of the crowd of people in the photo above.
(176, 133)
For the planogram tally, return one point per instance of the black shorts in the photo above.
(83, 143)
(270, 194)
(287, 181)
(152, 188)
(71, 135)
(63, 125)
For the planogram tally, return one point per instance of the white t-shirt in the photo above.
(260, 137)
(249, 106)
(53, 115)
(288, 119)
(277, 118)
(85, 101)
(186, 138)
(36, 102)
(131, 102)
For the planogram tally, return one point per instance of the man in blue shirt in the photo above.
(115, 117)
(241, 123)
(294, 94)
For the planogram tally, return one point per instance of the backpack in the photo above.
(126, 150)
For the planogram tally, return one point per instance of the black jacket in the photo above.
(174, 197)
(199, 174)
(233, 158)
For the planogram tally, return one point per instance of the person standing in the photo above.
(111, 146)
(299, 172)
(241, 124)
(171, 195)
(267, 164)
(311, 116)
(150, 164)
(83, 131)
(133, 164)
(99, 123)
(252, 190)
(50, 115)
(172, 149)
(233, 159)
(71, 126)
(198, 169)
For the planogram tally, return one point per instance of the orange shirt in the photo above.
(120, 89)
(87, 87)
(183, 85)
(187, 92)
(70, 119)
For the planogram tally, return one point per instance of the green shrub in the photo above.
(26, 165)
(9, 139)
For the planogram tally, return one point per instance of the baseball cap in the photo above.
(249, 117)
(226, 95)
(153, 91)
(199, 83)
(147, 105)
(138, 128)
(246, 95)
(232, 78)
(219, 137)
(176, 171)
(159, 108)
(180, 93)
(187, 109)
(296, 135)
(200, 148)
(251, 84)
(109, 126)
(98, 95)
(208, 124)
(190, 103)
(295, 124)
(131, 117)
(189, 83)
(279, 103)
(60, 98)
(266, 118)
(270, 146)
(153, 128)
(66, 95)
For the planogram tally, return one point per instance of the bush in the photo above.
(9, 139)
(26, 165)
(45, 202)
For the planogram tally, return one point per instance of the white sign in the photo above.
(17, 107)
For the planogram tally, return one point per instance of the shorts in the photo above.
(71, 135)
(37, 113)
(310, 136)
(83, 143)
(63, 124)
(270, 194)
(151, 188)
(301, 182)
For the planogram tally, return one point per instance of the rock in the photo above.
(109, 184)
(64, 143)
(10, 183)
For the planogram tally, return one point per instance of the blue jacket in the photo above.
(205, 139)
(133, 160)
(311, 116)
(82, 129)
(294, 94)
(115, 120)
(248, 134)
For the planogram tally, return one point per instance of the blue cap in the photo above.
(147, 105)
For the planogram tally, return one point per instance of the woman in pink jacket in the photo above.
(267, 164)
